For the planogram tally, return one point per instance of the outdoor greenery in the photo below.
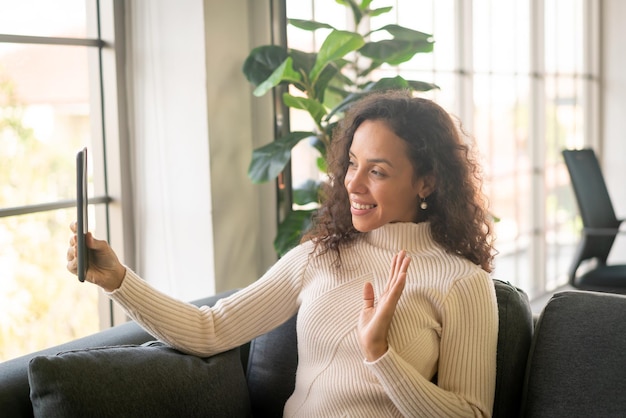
(324, 83)
(41, 303)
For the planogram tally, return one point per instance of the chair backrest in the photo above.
(592, 195)
(273, 358)
(594, 204)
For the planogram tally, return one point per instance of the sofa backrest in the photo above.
(273, 358)
(271, 370)
(515, 331)
(577, 361)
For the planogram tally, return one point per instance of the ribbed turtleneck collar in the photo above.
(401, 236)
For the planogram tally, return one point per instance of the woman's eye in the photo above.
(377, 173)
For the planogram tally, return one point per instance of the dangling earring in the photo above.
(424, 204)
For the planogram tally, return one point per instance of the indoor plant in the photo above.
(324, 83)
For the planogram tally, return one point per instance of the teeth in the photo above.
(362, 207)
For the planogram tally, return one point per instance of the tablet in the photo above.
(81, 212)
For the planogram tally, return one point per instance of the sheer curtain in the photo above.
(169, 140)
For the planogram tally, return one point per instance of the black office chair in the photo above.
(600, 225)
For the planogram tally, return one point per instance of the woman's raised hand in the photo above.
(375, 319)
(104, 268)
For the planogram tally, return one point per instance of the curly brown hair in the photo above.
(437, 147)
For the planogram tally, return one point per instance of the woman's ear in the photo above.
(426, 185)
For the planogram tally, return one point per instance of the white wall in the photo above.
(243, 213)
(614, 111)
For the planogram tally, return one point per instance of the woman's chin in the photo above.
(364, 226)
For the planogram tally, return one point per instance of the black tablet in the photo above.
(81, 212)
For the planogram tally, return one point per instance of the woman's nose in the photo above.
(354, 182)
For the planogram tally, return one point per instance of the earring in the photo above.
(424, 204)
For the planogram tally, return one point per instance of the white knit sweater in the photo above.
(446, 324)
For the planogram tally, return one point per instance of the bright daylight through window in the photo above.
(49, 108)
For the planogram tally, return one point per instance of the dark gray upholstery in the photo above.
(271, 371)
(515, 331)
(14, 388)
(577, 362)
(138, 381)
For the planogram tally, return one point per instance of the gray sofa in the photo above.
(571, 363)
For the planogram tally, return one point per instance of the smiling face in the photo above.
(380, 178)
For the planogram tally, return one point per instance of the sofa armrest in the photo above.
(14, 388)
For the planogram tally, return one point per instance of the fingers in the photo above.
(71, 253)
(396, 282)
(392, 271)
(368, 296)
(396, 263)
(93, 243)
(399, 266)
(72, 266)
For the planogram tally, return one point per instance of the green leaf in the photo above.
(356, 11)
(332, 73)
(387, 83)
(405, 34)
(321, 164)
(310, 25)
(404, 45)
(284, 72)
(269, 160)
(308, 192)
(393, 51)
(315, 108)
(422, 85)
(365, 4)
(335, 46)
(379, 11)
(302, 60)
(291, 229)
(262, 62)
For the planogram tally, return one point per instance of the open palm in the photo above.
(375, 319)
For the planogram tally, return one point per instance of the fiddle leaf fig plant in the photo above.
(324, 84)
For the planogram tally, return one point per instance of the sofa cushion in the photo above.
(577, 361)
(515, 330)
(137, 381)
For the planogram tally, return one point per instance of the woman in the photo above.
(417, 338)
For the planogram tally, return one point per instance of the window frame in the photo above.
(109, 151)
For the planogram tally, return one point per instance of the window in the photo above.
(51, 104)
(522, 77)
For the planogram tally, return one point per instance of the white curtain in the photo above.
(169, 140)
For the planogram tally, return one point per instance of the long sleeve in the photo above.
(234, 320)
(466, 374)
